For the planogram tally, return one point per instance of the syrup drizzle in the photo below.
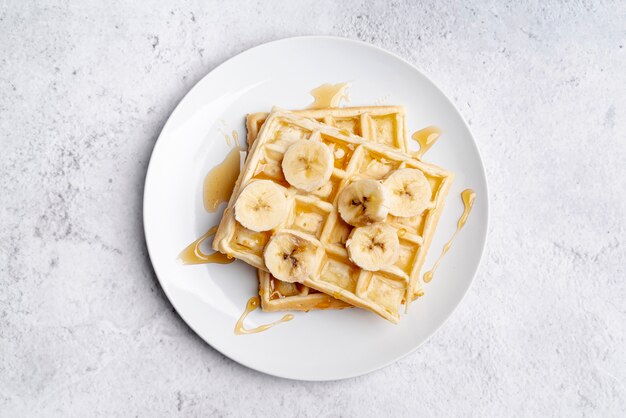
(220, 180)
(468, 196)
(253, 303)
(193, 255)
(426, 138)
(329, 95)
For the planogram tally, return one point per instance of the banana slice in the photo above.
(374, 246)
(261, 206)
(409, 192)
(292, 257)
(363, 202)
(307, 165)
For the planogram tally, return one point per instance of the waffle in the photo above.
(381, 291)
(382, 124)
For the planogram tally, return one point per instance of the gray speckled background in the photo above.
(84, 92)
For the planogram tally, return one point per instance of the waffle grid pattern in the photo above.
(314, 214)
(382, 124)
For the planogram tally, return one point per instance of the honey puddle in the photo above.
(426, 138)
(468, 196)
(220, 181)
(193, 255)
(329, 95)
(253, 303)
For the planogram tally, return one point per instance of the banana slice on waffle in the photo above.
(307, 165)
(374, 246)
(409, 192)
(363, 202)
(261, 206)
(292, 256)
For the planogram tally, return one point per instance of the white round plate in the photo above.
(318, 345)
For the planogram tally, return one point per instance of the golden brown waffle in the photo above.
(382, 291)
(382, 124)
(277, 295)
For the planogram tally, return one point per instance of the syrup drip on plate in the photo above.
(253, 303)
(192, 254)
(426, 138)
(468, 196)
(329, 95)
(220, 181)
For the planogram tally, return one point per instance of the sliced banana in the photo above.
(261, 206)
(409, 192)
(374, 246)
(323, 191)
(292, 257)
(307, 165)
(363, 202)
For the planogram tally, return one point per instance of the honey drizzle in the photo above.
(220, 180)
(253, 303)
(193, 255)
(468, 196)
(426, 138)
(329, 95)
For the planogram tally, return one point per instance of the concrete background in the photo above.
(85, 88)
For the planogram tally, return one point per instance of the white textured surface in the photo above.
(84, 92)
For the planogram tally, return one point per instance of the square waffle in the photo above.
(381, 291)
(382, 124)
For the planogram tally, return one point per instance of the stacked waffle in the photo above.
(333, 210)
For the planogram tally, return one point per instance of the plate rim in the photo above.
(483, 234)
